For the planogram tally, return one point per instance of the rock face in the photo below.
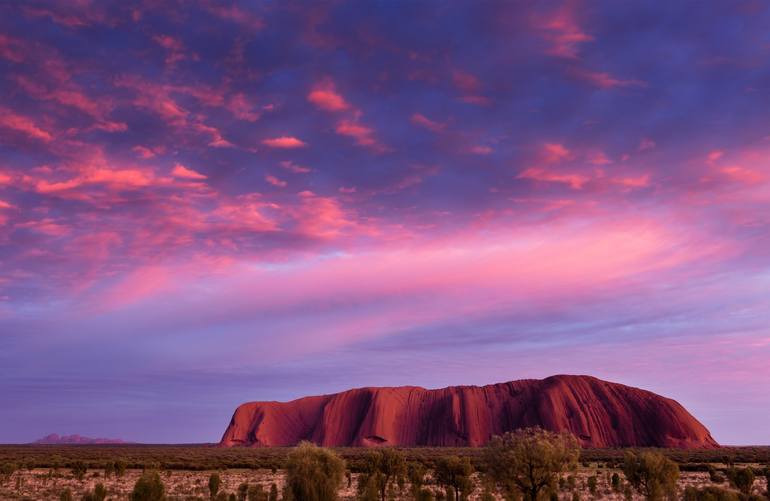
(55, 438)
(599, 413)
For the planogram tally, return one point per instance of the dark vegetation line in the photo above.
(210, 457)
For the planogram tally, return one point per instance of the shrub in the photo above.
(382, 468)
(742, 479)
(256, 493)
(79, 469)
(427, 495)
(314, 473)
(274, 493)
(615, 482)
(120, 468)
(767, 480)
(243, 491)
(66, 495)
(651, 474)
(529, 459)
(709, 493)
(215, 482)
(416, 474)
(455, 473)
(7, 469)
(592, 485)
(149, 487)
(98, 494)
(714, 475)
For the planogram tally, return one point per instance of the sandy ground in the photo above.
(192, 485)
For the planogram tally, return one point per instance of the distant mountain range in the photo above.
(55, 438)
(599, 413)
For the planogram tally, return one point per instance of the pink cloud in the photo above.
(168, 42)
(157, 98)
(713, 156)
(46, 226)
(183, 172)
(242, 109)
(633, 182)
(320, 217)
(237, 15)
(555, 152)
(599, 158)
(575, 181)
(646, 144)
(143, 152)
(5, 205)
(275, 181)
(284, 142)
(62, 90)
(247, 212)
(480, 150)
(174, 46)
(325, 97)
(423, 121)
(466, 82)
(363, 136)
(604, 80)
(24, 125)
(744, 175)
(292, 167)
(563, 33)
(11, 49)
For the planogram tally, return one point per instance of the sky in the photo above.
(205, 203)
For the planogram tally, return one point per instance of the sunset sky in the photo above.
(204, 203)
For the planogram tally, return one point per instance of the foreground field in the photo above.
(46, 471)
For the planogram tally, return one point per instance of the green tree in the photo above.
(273, 493)
(767, 481)
(314, 473)
(215, 482)
(98, 494)
(455, 473)
(742, 479)
(616, 482)
(486, 495)
(592, 485)
(382, 468)
(709, 493)
(416, 474)
(79, 469)
(256, 493)
(714, 475)
(243, 491)
(529, 459)
(651, 474)
(149, 487)
(7, 470)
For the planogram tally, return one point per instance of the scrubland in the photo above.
(45, 472)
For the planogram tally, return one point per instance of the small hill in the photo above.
(55, 438)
